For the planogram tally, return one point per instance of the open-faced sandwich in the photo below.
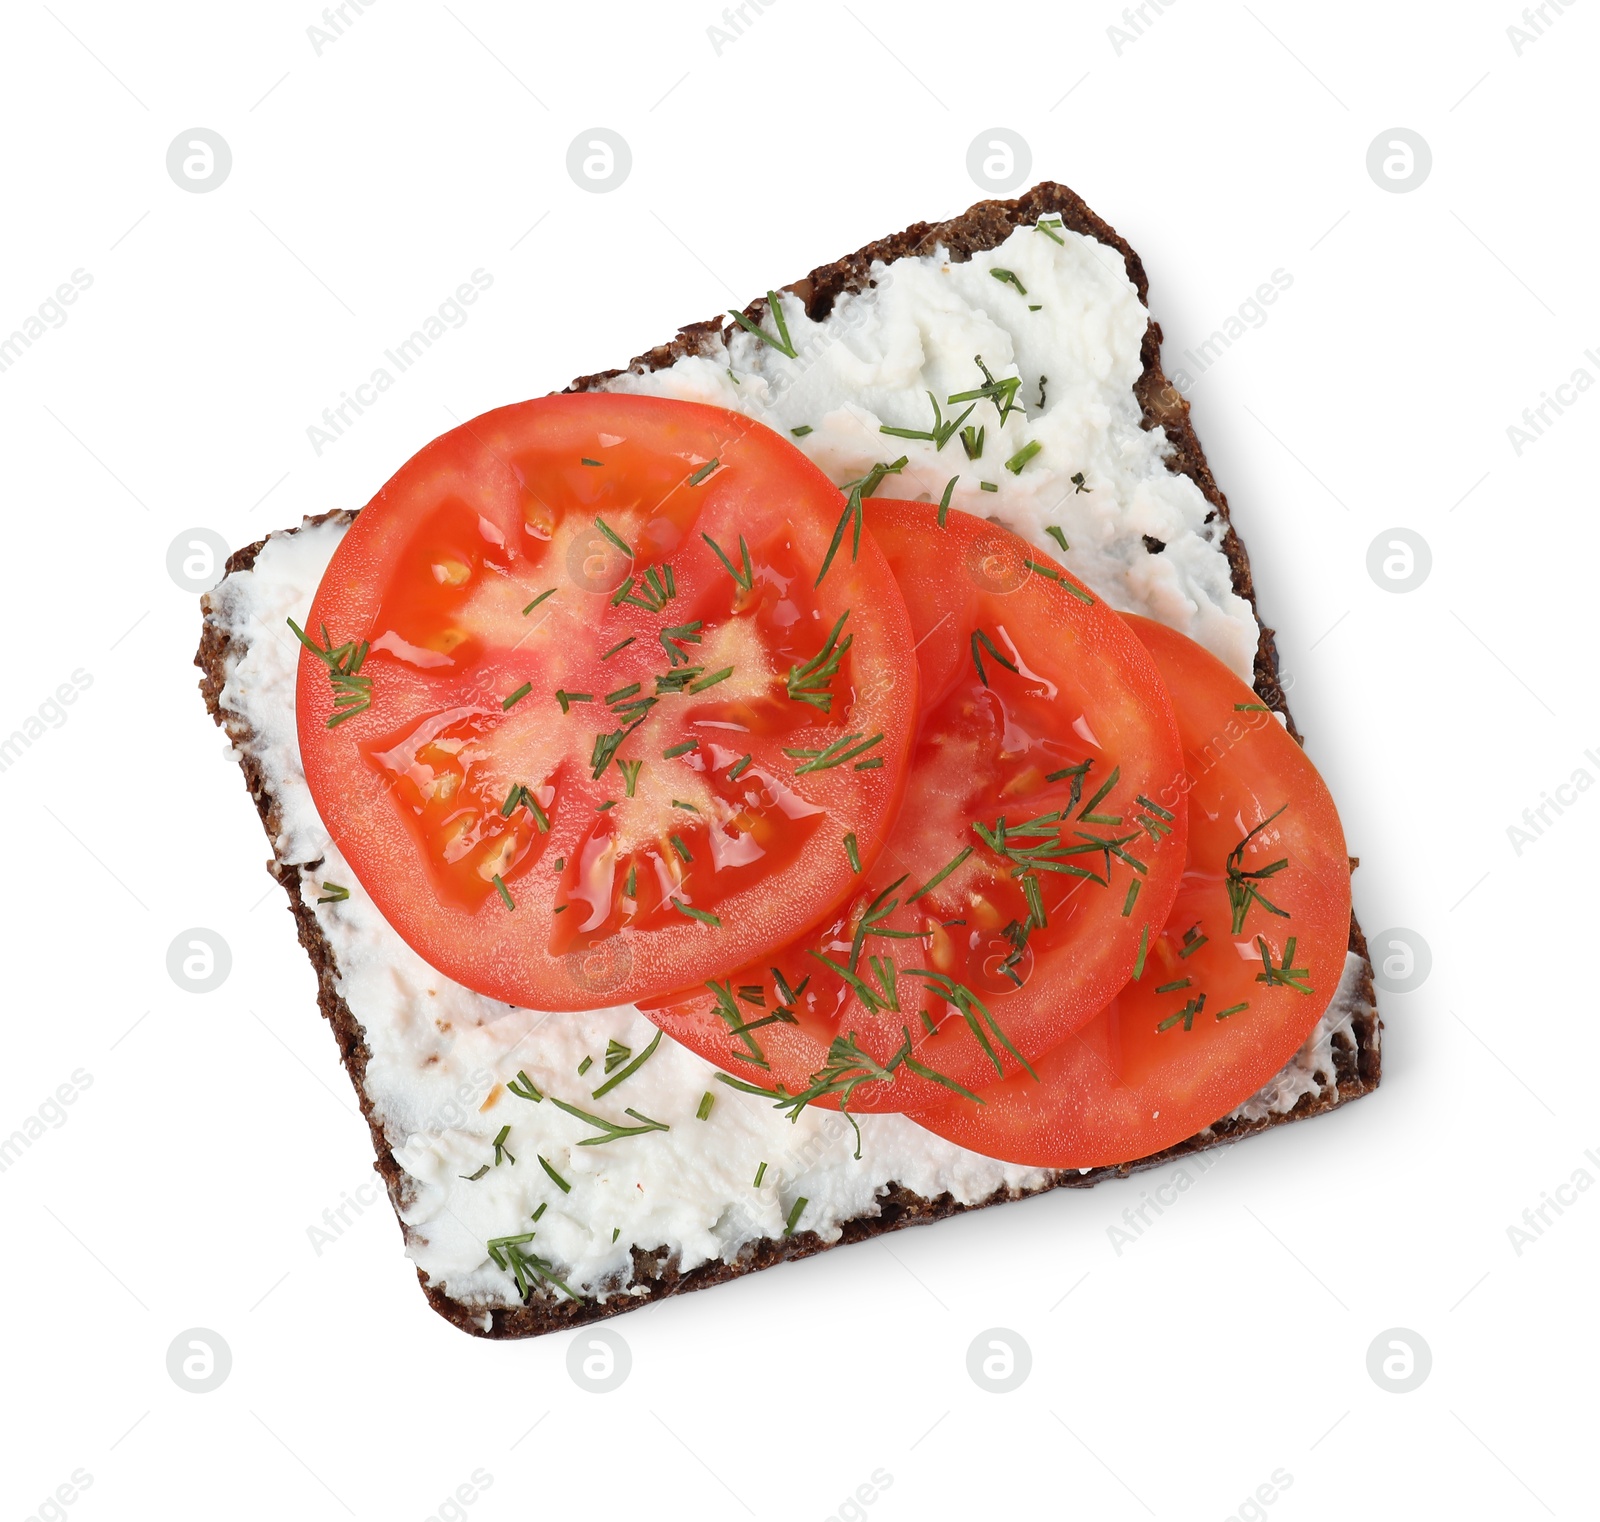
(825, 776)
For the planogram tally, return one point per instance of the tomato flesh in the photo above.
(584, 763)
(1032, 851)
(1246, 964)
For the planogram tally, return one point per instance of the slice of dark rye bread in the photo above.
(984, 226)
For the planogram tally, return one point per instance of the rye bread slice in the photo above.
(983, 226)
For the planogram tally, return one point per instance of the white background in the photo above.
(1230, 1340)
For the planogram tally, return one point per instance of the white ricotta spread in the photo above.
(441, 1056)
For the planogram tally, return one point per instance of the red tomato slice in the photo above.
(1032, 852)
(581, 717)
(1249, 959)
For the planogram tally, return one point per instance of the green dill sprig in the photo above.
(1056, 533)
(1080, 480)
(510, 702)
(528, 1089)
(1022, 456)
(503, 891)
(782, 342)
(682, 748)
(1186, 1015)
(744, 579)
(706, 1101)
(1286, 975)
(843, 749)
(855, 493)
(1242, 889)
(943, 430)
(809, 683)
(616, 538)
(502, 1153)
(1002, 393)
(976, 1014)
(939, 876)
(352, 692)
(555, 1178)
(944, 501)
(539, 599)
(702, 915)
(795, 1212)
(525, 1267)
(972, 441)
(609, 1130)
(851, 852)
(705, 470)
(627, 1072)
(333, 893)
(675, 636)
(1008, 277)
(656, 588)
(980, 638)
(1051, 228)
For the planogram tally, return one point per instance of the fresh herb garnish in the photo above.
(987, 486)
(808, 683)
(675, 636)
(609, 1129)
(539, 599)
(505, 893)
(697, 914)
(502, 1153)
(701, 683)
(944, 501)
(705, 470)
(1022, 456)
(980, 638)
(472, 1178)
(567, 699)
(855, 492)
(630, 774)
(1242, 889)
(627, 1072)
(1287, 975)
(1003, 393)
(1008, 277)
(739, 768)
(352, 692)
(976, 1013)
(1051, 228)
(852, 855)
(972, 441)
(333, 893)
(706, 1101)
(620, 646)
(794, 1216)
(744, 579)
(941, 432)
(528, 1089)
(939, 876)
(802, 430)
(1144, 950)
(524, 1267)
(782, 342)
(1060, 538)
(1077, 478)
(555, 1177)
(516, 697)
(761, 1173)
(681, 749)
(680, 847)
(843, 749)
(616, 538)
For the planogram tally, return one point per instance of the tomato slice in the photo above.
(1249, 959)
(582, 714)
(1033, 852)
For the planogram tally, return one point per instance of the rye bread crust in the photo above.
(656, 1274)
